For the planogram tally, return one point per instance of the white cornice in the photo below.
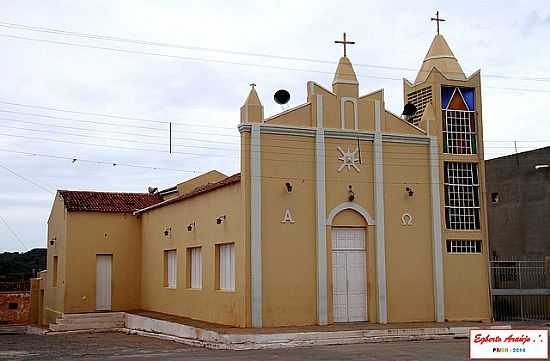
(337, 133)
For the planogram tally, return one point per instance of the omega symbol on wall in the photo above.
(287, 217)
(349, 159)
(406, 219)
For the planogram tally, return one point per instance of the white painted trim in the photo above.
(343, 101)
(319, 112)
(348, 134)
(377, 116)
(439, 57)
(321, 241)
(379, 212)
(411, 139)
(439, 295)
(337, 133)
(256, 226)
(350, 205)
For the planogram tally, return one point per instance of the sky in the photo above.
(92, 113)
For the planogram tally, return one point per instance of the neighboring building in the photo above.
(518, 197)
(343, 211)
(15, 302)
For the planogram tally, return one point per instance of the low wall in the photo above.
(15, 307)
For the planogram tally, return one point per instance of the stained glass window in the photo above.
(459, 121)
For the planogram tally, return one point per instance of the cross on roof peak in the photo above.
(437, 19)
(344, 42)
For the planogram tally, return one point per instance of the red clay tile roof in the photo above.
(236, 178)
(86, 201)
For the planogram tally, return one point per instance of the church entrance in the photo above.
(349, 275)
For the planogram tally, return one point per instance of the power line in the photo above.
(179, 131)
(107, 116)
(216, 61)
(77, 159)
(26, 179)
(226, 51)
(13, 232)
(407, 162)
(296, 178)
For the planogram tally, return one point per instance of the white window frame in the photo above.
(464, 246)
(226, 254)
(171, 268)
(195, 268)
(462, 201)
(458, 127)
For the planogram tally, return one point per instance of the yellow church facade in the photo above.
(343, 212)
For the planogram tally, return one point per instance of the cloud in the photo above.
(203, 98)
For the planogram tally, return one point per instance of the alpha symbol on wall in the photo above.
(406, 219)
(287, 217)
(349, 159)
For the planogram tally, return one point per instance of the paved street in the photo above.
(117, 346)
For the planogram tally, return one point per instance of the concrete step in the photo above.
(85, 325)
(89, 319)
(94, 315)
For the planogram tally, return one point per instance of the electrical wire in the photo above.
(25, 179)
(8, 227)
(49, 30)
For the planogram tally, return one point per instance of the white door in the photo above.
(349, 275)
(103, 282)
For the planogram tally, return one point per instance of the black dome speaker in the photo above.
(281, 96)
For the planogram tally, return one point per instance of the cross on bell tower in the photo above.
(437, 19)
(345, 43)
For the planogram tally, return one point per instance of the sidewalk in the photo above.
(198, 333)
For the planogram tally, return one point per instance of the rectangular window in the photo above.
(194, 267)
(12, 306)
(54, 271)
(461, 196)
(463, 246)
(226, 264)
(459, 132)
(170, 268)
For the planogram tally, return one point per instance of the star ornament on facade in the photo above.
(349, 159)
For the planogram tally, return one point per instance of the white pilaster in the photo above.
(322, 302)
(379, 209)
(256, 225)
(439, 296)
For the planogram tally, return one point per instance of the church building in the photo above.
(343, 212)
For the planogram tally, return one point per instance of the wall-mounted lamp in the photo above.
(52, 241)
(167, 231)
(288, 186)
(351, 194)
(190, 227)
(220, 219)
(410, 191)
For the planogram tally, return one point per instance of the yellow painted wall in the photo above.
(54, 297)
(409, 251)
(208, 303)
(90, 234)
(288, 250)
